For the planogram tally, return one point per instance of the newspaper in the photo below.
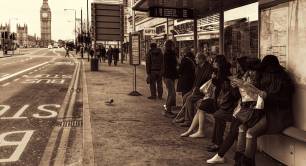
(248, 91)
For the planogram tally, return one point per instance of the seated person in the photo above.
(203, 74)
(216, 96)
(246, 67)
(277, 92)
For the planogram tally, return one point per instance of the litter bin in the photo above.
(94, 64)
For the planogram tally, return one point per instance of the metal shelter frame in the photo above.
(201, 8)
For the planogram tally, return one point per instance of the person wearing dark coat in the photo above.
(154, 65)
(109, 55)
(170, 75)
(102, 53)
(277, 92)
(218, 98)
(116, 55)
(202, 75)
(186, 72)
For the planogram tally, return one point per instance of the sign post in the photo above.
(135, 59)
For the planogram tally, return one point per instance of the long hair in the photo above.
(223, 67)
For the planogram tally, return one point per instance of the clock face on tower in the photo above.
(44, 15)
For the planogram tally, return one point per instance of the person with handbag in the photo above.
(215, 91)
(246, 75)
(276, 96)
(154, 64)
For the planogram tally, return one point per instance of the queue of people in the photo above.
(256, 100)
(111, 54)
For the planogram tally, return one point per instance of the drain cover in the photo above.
(70, 123)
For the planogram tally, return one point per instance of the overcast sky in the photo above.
(27, 11)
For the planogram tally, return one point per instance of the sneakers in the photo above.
(216, 160)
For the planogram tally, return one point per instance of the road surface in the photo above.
(39, 103)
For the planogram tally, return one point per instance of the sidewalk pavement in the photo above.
(133, 130)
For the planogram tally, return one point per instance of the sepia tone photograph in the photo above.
(152, 82)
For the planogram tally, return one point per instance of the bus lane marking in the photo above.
(18, 145)
(45, 111)
(6, 84)
(20, 72)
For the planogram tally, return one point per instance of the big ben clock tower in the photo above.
(45, 24)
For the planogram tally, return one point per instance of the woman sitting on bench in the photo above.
(277, 91)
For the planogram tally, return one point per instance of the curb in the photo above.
(54, 136)
(88, 150)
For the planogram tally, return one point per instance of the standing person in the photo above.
(154, 64)
(277, 93)
(100, 54)
(109, 55)
(91, 52)
(186, 72)
(77, 49)
(170, 75)
(103, 53)
(116, 55)
(67, 51)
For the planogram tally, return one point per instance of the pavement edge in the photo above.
(88, 153)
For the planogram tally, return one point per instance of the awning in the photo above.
(201, 7)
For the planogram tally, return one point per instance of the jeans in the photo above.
(230, 138)
(221, 117)
(171, 98)
(156, 82)
(247, 138)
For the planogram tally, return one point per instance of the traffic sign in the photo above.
(107, 21)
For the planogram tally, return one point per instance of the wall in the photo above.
(283, 32)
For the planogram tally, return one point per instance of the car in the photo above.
(55, 45)
(50, 46)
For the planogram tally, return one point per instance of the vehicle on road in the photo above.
(55, 45)
(50, 46)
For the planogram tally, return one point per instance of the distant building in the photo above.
(45, 22)
(32, 41)
(22, 35)
(4, 28)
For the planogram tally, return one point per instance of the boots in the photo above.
(245, 161)
(237, 158)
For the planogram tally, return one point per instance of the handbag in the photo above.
(244, 115)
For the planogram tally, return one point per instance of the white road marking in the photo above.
(6, 84)
(4, 109)
(5, 75)
(18, 113)
(43, 108)
(18, 145)
(20, 72)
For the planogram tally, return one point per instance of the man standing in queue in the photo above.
(154, 64)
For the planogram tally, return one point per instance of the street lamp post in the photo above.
(74, 24)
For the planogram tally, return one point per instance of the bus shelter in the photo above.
(282, 33)
(191, 9)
